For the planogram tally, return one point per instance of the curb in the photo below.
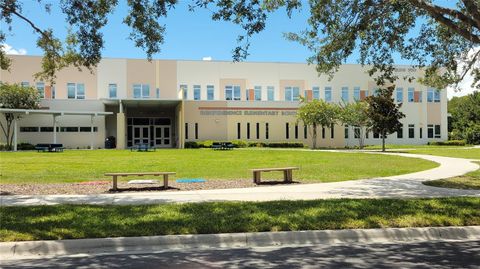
(18, 250)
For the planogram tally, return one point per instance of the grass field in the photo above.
(470, 181)
(448, 151)
(88, 221)
(315, 166)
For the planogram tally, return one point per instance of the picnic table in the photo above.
(49, 147)
(142, 147)
(223, 145)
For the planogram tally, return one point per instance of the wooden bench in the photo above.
(287, 173)
(116, 175)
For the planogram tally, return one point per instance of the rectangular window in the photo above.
(75, 91)
(270, 93)
(332, 131)
(411, 93)
(46, 129)
(186, 130)
(328, 94)
(436, 96)
(437, 131)
(112, 90)
(69, 129)
(399, 95)
(232, 92)
(25, 84)
(71, 90)
(287, 131)
(258, 130)
(266, 131)
(346, 131)
(41, 89)
(376, 134)
(239, 131)
(196, 92)
(53, 92)
(28, 129)
(157, 93)
(356, 93)
(411, 131)
(141, 91)
(400, 132)
(420, 132)
(292, 94)
(430, 130)
(145, 91)
(430, 95)
(356, 132)
(305, 131)
(210, 93)
(323, 132)
(88, 129)
(248, 130)
(184, 90)
(196, 130)
(257, 93)
(345, 94)
(316, 93)
(296, 131)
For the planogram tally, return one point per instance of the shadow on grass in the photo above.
(140, 189)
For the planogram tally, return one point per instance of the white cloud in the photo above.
(465, 85)
(207, 58)
(10, 50)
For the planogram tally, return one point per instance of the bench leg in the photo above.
(165, 181)
(114, 187)
(256, 177)
(285, 175)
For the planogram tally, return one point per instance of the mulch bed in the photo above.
(99, 187)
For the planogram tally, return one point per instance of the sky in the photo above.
(189, 36)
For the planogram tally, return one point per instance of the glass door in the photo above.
(140, 135)
(162, 136)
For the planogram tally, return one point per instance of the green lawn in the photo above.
(315, 166)
(89, 221)
(470, 181)
(447, 151)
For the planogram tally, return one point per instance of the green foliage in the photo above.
(284, 145)
(240, 143)
(54, 222)
(25, 146)
(317, 113)
(470, 181)
(448, 143)
(191, 145)
(14, 96)
(472, 134)
(465, 117)
(356, 114)
(384, 114)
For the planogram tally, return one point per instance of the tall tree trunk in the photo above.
(383, 141)
(361, 138)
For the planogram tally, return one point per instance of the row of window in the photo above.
(48, 129)
(433, 131)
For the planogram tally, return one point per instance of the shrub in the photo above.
(448, 143)
(25, 146)
(3, 147)
(191, 145)
(473, 134)
(240, 143)
(285, 145)
(205, 144)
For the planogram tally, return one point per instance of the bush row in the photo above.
(244, 144)
(448, 143)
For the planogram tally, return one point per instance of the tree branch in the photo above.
(13, 11)
(473, 9)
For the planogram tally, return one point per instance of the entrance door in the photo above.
(162, 136)
(140, 135)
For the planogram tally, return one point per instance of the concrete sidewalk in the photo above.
(401, 186)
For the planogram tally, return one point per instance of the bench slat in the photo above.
(274, 169)
(140, 174)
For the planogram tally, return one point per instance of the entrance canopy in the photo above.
(55, 114)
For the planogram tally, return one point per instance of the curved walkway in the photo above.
(402, 186)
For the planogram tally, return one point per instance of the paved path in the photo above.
(402, 186)
(433, 254)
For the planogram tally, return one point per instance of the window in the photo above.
(328, 94)
(430, 130)
(305, 132)
(420, 132)
(210, 93)
(411, 93)
(41, 89)
(437, 131)
(196, 130)
(186, 130)
(323, 132)
(258, 130)
(316, 93)
(436, 96)
(332, 131)
(157, 93)
(400, 132)
(69, 129)
(411, 131)
(376, 134)
(46, 129)
(345, 94)
(112, 90)
(141, 91)
(420, 96)
(270, 93)
(287, 131)
(356, 93)
(430, 95)
(88, 129)
(296, 131)
(266, 131)
(292, 93)
(184, 89)
(25, 84)
(196, 92)
(356, 132)
(239, 133)
(346, 131)
(53, 92)
(399, 95)
(257, 93)
(248, 130)
(75, 91)
(28, 129)
(232, 92)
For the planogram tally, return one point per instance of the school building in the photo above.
(164, 103)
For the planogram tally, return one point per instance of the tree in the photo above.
(384, 114)
(446, 44)
(465, 117)
(14, 96)
(355, 114)
(317, 113)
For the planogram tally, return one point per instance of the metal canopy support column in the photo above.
(55, 128)
(91, 131)
(15, 133)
